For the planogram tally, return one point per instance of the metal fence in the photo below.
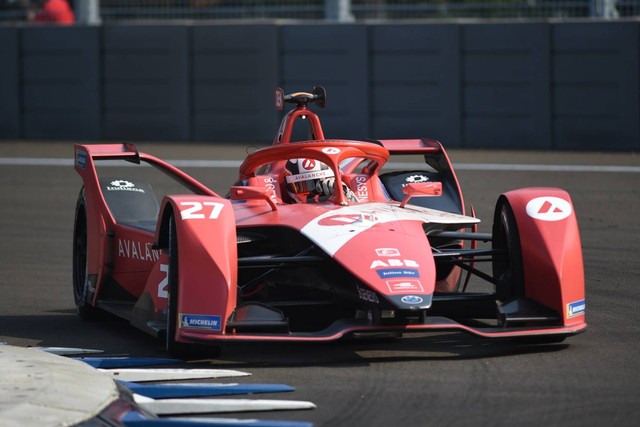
(337, 10)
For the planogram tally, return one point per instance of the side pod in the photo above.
(551, 250)
(207, 275)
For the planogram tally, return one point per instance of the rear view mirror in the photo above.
(421, 189)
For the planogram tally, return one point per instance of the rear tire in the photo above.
(508, 268)
(81, 294)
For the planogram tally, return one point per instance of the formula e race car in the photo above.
(319, 239)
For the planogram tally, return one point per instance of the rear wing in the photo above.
(86, 155)
(410, 146)
(435, 156)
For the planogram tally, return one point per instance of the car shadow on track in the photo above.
(63, 328)
(437, 346)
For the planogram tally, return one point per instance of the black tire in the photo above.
(175, 348)
(508, 268)
(81, 294)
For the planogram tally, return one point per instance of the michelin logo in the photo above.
(200, 321)
(576, 308)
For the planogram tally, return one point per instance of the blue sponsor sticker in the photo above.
(200, 321)
(390, 273)
(81, 159)
(576, 308)
(411, 299)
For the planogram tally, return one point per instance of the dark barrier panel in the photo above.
(595, 92)
(61, 82)
(505, 85)
(333, 56)
(234, 71)
(146, 82)
(548, 85)
(9, 84)
(415, 74)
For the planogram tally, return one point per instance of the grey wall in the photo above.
(146, 82)
(415, 82)
(505, 81)
(333, 56)
(60, 85)
(543, 85)
(9, 84)
(233, 70)
(595, 86)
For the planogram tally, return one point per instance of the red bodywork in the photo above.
(389, 275)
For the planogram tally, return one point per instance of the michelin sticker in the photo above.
(200, 321)
(576, 308)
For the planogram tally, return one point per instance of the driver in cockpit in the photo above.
(309, 180)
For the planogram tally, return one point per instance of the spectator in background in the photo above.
(55, 12)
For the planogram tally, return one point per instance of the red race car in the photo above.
(319, 239)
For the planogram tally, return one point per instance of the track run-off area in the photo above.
(435, 379)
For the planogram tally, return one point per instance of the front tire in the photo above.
(508, 267)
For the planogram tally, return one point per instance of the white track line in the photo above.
(234, 164)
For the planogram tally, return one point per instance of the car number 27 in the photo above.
(200, 210)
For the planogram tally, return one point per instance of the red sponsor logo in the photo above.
(548, 208)
(404, 286)
(308, 164)
(387, 252)
(345, 219)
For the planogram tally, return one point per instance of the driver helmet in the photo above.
(302, 175)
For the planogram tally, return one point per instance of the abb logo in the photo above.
(548, 208)
(392, 262)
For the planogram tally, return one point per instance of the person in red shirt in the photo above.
(55, 11)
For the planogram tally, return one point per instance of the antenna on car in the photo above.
(301, 99)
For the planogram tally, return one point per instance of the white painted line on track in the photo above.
(234, 164)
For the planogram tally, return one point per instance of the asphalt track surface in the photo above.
(435, 379)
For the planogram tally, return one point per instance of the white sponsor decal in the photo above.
(394, 263)
(134, 249)
(404, 286)
(330, 150)
(348, 222)
(309, 175)
(199, 210)
(387, 252)
(122, 185)
(416, 178)
(163, 286)
(362, 191)
(548, 208)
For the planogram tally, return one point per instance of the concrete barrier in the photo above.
(543, 85)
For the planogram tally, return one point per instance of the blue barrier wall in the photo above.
(545, 85)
